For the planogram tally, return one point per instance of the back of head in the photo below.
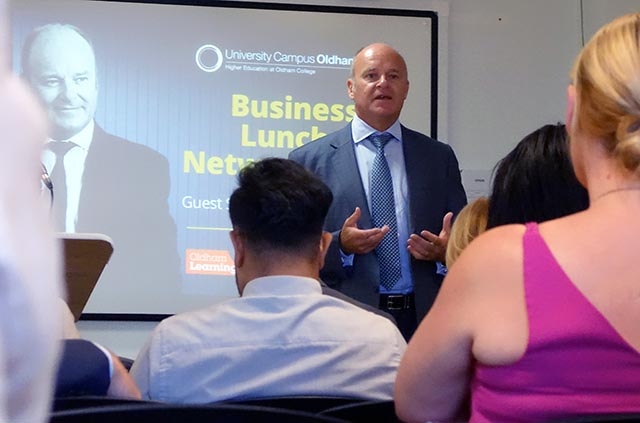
(280, 205)
(606, 76)
(535, 182)
(470, 222)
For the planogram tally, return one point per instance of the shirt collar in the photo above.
(360, 130)
(281, 285)
(83, 138)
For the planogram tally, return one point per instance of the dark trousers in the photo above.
(403, 309)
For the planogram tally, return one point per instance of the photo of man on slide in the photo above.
(102, 183)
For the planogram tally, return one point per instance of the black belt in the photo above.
(397, 302)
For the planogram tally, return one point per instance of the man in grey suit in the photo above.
(427, 190)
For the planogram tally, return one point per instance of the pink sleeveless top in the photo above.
(575, 363)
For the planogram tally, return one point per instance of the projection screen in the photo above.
(189, 94)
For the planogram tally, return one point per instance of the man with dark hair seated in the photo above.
(282, 336)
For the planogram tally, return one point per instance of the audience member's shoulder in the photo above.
(189, 322)
(499, 240)
(357, 317)
(326, 290)
(493, 251)
(387, 331)
(490, 264)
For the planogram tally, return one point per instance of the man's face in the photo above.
(379, 85)
(62, 72)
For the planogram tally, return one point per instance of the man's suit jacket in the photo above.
(434, 186)
(124, 194)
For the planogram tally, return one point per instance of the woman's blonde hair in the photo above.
(606, 76)
(471, 222)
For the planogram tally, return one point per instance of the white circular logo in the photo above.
(202, 51)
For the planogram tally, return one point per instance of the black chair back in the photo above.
(604, 418)
(308, 403)
(88, 401)
(167, 413)
(364, 412)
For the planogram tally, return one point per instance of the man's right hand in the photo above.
(359, 241)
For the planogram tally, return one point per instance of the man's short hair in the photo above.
(36, 33)
(280, 205)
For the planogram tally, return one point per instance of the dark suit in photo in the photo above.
(124, 194)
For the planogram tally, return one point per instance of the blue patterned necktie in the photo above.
(383, 212)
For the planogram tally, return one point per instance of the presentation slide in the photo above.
(178, 99)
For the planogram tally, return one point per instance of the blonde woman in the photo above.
(546, 316)
(471, 222)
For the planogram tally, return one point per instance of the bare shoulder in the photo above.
(495, 250)
(476, 295)
(487, 275)
(502, 233)
(483, 286)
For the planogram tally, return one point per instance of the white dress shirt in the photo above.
(282, 337)
(74, 162)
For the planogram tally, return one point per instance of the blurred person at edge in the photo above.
(30, 271)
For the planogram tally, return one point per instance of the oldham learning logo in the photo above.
(209, 262)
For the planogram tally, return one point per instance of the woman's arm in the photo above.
(467, 319)
(433, 377)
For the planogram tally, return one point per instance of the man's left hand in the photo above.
(429, 246)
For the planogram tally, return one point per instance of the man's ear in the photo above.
(350, 88)
(238, 247)
(325, 242)
(571, 106)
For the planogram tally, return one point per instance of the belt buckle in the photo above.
(391, 304)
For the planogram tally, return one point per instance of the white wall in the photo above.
(504, 71)
(509, 62)
(508, 67)
(599, 12)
